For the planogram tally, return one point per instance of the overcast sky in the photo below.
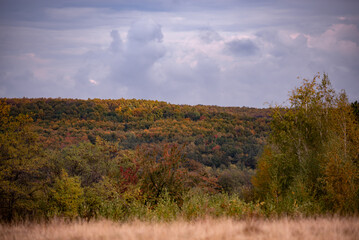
(213, 52)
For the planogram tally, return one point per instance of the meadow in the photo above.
(210, 229)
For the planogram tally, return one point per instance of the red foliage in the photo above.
(128, 176)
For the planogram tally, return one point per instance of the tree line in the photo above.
(125, 159)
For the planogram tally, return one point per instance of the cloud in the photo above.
(193, 52)
(116, 43)
(144, 31)
(242, 47)
(334, 51)
(93, 82)
(209, 36)
(125, 67)
(142, 50)
(341, 38)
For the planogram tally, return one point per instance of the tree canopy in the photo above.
(311, 158)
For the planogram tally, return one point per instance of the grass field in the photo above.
(209, 229)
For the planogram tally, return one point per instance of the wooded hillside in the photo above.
(212, 135)
(140, 159)
(122, 158)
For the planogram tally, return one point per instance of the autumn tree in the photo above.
(355, 107)
(161, 170)
(20, 166)
(312, 152)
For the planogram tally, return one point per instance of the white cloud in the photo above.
(94, 82)
(339, 38)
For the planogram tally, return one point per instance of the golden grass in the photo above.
(208, 229)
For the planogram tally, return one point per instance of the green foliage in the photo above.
(236, 180)
(199, 205)
(166, 209)
(85, 160)
(311, 158)
(66, 196)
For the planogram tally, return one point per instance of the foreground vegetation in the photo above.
(227, 229)
(128, 160)
(312, 156)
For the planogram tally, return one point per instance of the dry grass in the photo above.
(321, 228)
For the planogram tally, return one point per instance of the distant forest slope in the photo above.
(214, 136)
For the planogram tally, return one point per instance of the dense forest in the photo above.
(105, 146)
(213, 136)
(141, 159)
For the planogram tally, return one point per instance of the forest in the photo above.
(129, 159)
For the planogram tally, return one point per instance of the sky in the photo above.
(215, 52)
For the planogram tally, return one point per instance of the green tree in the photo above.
(66, 196)
(312, 152)
(85, 160)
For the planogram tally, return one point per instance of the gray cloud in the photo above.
(116, 43)
(209, 36)
(242, 47)
(129, 63)
(142, 50)
(196, 52)
(144, 31)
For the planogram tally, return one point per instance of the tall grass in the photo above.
(195, 205)
(205, 228)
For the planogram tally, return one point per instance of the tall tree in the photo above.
(312, 155)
